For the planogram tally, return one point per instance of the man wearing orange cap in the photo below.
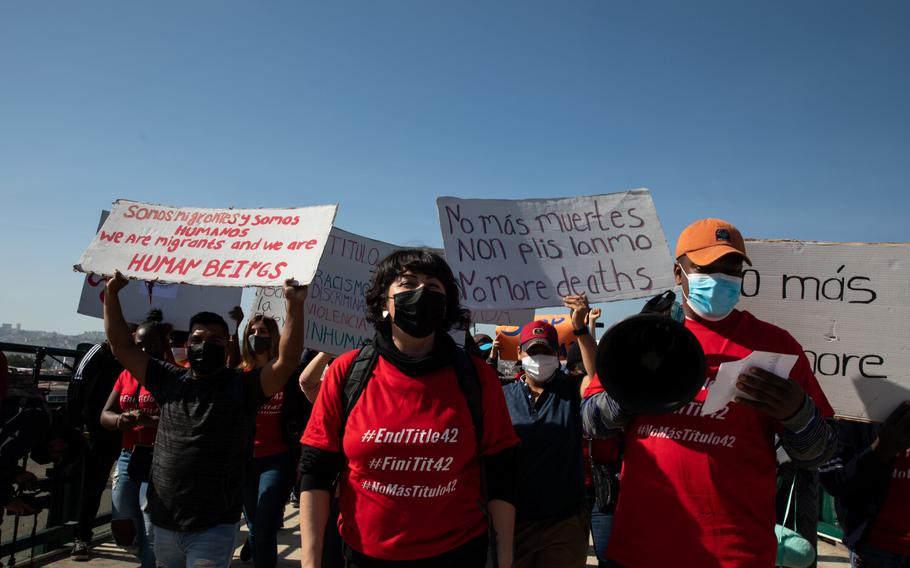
(706, 482)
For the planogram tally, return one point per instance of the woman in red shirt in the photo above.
(270, 475)
(132, 410)
(407, 451)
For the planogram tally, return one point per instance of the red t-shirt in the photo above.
(891, 530)
(126, 385)
(269, 435)
(411, 485)
(706, 484)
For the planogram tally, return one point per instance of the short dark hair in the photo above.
(418, 261)
(154, 328)
(155, 314)
(209, 318)
(573, 358)
(178, 336)
(482, 339)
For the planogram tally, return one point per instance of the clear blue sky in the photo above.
(791, 119)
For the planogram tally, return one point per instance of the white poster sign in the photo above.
(509, 254)
(335, 307)
(848, 304)
(209, 247)
(502, 317)
(178, 302)
(336, 303)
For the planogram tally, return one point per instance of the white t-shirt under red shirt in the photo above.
(410, 488)
(703, 487)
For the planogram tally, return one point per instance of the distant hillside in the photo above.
(9, 334)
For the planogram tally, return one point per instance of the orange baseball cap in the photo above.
(707, 240)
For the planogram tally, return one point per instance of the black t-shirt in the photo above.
(202, 445)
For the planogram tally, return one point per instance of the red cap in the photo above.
(539, 332)
(707, 240)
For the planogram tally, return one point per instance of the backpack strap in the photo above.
(355, 380)
(469, 383)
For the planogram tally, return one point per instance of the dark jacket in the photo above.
(295, 413)
(857, 479)
(88, 391)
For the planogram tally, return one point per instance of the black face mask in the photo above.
(419, 312)
(206, 358)
(259, 343)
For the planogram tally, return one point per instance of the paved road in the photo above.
(106, 555)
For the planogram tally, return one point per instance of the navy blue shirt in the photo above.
(551, 482)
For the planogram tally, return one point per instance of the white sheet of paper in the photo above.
(723, 389)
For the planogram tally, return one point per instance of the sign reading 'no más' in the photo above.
(848, 304)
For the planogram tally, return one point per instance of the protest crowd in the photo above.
(428, 445)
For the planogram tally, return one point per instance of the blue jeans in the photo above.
(211, 548)
(129, 502)
(265, 493)
(868, 557)
(601, 526)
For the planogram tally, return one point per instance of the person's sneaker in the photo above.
(295, 501)
(245, 552)
(81, 552)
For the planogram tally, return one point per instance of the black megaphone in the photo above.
(650, 363)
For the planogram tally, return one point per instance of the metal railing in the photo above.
(53, 526)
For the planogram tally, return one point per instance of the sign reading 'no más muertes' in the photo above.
(530, 253)
(210, 247)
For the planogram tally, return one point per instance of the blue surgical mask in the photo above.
(713, 296)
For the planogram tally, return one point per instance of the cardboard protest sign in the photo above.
(336, 303)
(209, 247)
(848, 304)
(502, 317)
(509, 335)
(529, 253)
(178, 302)
(335, 307)
(270, 302)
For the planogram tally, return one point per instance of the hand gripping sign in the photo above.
(210, 247)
